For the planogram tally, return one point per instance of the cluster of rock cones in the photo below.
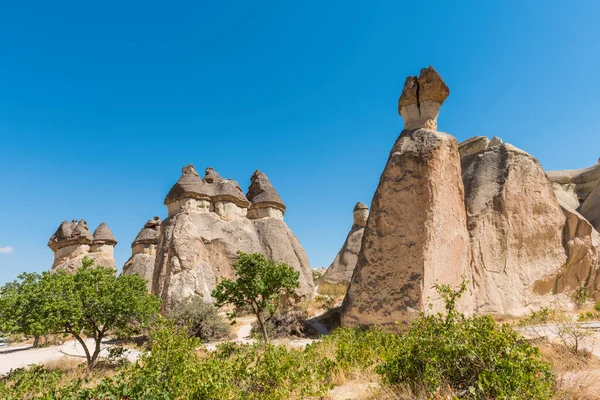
(482, 211)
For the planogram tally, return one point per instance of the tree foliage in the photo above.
(91, 302)
(21, 307)
(259, 284)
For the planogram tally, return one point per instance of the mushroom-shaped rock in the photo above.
(189, 185)
(421, 99)
(416, 234)
(149, 233)
(70, 233)
(103, 235)
(340, 271)
(262, 194)
(360, 214)
(226, 190)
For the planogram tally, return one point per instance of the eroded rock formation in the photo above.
(209, 220)
(530, 247)
(73, 241)
(340, 271)
(143, 251)
(416, 235)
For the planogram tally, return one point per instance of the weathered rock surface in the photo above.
(590, 208)
(73, 241)
(340, 271)
(416, 234)
(143, 251)
(515, 224)
(582, 246)
(575, 185)
(209, 220)
(530, 247)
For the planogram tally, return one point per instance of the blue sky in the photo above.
(102, 104)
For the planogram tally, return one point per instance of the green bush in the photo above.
(474, 356)
(202, 319)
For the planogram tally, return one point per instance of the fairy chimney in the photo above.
(421, 99)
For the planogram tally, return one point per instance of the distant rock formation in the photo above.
(143, 251)
(340, 271)
(580, 190)
(416, 234)
(209, 220)
(73, 241)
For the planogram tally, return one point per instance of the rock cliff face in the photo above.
(340, 271)
(209, 220)
(143, 252)
(416, 234)
(515, 224)
(73, 241)
(530, 247)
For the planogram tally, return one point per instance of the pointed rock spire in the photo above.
(261, 192)
(103, 235)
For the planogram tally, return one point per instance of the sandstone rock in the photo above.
(416, 234)
(590, 208)
(515, 224)
(73, 241)
(575, 185)
(208, 223)
(421, 99)
(581, 242)
(143, 252)
(473, 145)
(340, 271)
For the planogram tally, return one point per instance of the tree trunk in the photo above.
(94, 359)
(262, 327)
(88, 357)
(36, 341)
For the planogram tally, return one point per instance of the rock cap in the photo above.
(225, 189)
(70, 233)
(149, 233)
(261, 192)
(421, 99)
(360, 206)
(103, 235)
(189, 185)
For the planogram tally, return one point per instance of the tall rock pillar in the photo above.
(416, 234)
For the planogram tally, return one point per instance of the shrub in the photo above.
(286, 324)
(202, 319)
(474, 356)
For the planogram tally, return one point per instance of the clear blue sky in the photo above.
(102, 104)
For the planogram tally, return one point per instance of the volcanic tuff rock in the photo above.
(73, 241)
(526, 247)
(209, 220)
(340, 271)
(143, 251)
(416, 234)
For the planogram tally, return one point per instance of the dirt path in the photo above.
(21, 356)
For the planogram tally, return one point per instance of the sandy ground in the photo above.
(20, 356)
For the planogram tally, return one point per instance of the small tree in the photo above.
(94, 301)
(259, 284)
(22, 307)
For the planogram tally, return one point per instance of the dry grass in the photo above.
(577, 374)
